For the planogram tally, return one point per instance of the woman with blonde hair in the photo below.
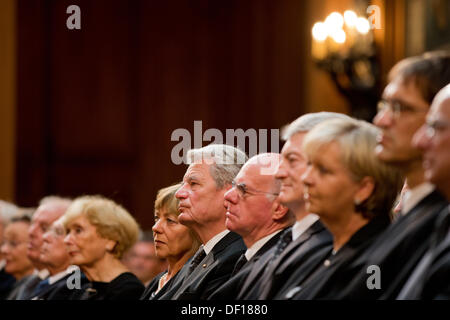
(353, 194)
(98, 232)
(173, 241)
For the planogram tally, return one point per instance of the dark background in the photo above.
(96, 107)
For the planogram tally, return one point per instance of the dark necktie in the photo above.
(198, 257)
(239, 264)
(285, 239)
(44, 284)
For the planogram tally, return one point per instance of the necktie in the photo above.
(285, 239)
(198, 257)
(44, 284)
(239, 264)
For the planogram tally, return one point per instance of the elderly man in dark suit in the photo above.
(49, 210)
(207, 179)
(431, 278)
(308, 236)
(255, 213)
(413, 83)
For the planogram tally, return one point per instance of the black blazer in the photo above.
(396, 252)
(212, 271)
(333, 271)
(230, 289)
(269, 275)
(431, 277)
(6, 283)
(60, 291)
(153, 285)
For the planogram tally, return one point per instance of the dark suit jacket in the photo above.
(6, 283)
(396, 252)
(431, 277)
(269, 275)
(60, 291)
(230, 289)
(212, 271)
(334, 270)
(153, 285)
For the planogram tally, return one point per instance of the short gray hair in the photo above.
(308, 121)
(7, 211)
(55, 199)
(227, 161)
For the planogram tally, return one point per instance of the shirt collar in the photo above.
(62, 274)
(42, 274)
(300, 226)
(259, 244)
(214, 240)
(414, 196)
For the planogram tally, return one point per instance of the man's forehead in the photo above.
(294, 143)
(441, 105)
(198, 170)
(46, 213)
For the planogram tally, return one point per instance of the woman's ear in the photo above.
(110, 245)
(366, 187)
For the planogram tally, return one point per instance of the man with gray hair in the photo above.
(7, 212)
(308, 236)
(207, 179)
(49, 210)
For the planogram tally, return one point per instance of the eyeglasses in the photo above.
(434, 126)
(244, 190)
(397, 108)
(12, 244)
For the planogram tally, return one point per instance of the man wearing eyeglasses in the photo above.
(430, 279)
(413, 83)
(271, 274)
(256, 214)
(57, 260)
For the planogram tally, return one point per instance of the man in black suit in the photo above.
(207, 179)
(49, 210)
(307, 236)
(255, 213)
(413, 83)
(56, 259)
(431, 278)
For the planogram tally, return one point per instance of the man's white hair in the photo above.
(308, 121)
(8, 211)
(225, 161)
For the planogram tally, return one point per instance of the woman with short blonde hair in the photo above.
(353, 193)
(98, 232)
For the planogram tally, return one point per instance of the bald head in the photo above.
(434, 140)
(253, 208)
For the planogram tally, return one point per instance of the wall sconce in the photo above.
(343, 45)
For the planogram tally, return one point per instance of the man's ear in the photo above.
(279, 211)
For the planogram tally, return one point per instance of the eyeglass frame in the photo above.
(243, 190)
(397, 107)
(431, 126)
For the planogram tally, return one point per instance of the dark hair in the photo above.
(429, 72)
(23, 218)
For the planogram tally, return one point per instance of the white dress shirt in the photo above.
(214, 240)
(413, 196)
(301, 226)
(258, 245)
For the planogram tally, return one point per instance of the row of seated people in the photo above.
(324, 219)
